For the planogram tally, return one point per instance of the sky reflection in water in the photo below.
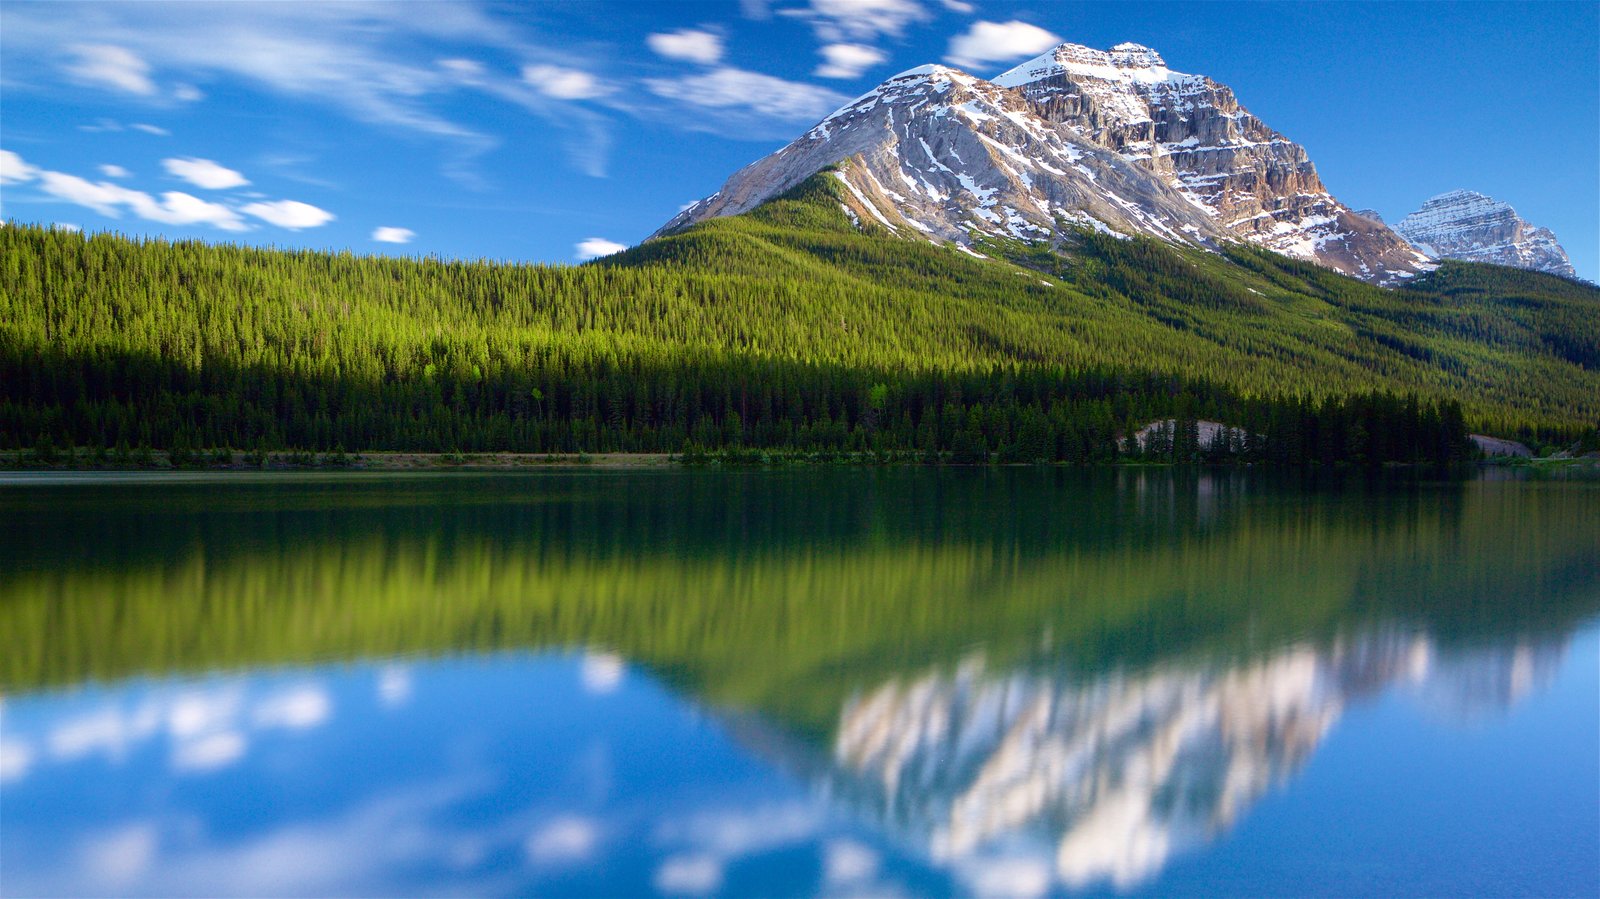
(1372, 753)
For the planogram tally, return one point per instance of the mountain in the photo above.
(1464, 224)
(1191, 131)
(1109, 140)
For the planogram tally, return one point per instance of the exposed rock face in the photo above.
(937, 151)
(1463, 224)
(1192, 132)
(1112, 140)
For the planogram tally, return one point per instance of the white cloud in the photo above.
(204, 173)
(988, 42)
(595, 247)
(291, 214)
(564, 84)
(563, 841)
(689, 874)
(66, 226)
(102, 126)
(114, 171)
(848, 60)
(469, 71)
(860, 20)
(391, 234)
(110, 66)
(187, 93)
(688, 44)
(737, 89)
(357, 57)
(13, 170)
(108, 199)
(960, 6)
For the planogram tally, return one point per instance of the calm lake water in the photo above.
(868, 682)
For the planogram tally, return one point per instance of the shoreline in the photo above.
(160, 461)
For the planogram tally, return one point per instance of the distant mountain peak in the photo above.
(1475, 227)
(1112, 140)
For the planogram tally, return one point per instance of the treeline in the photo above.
(561, 403)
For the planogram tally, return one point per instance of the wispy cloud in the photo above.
(110, 66)
(172, 207)
(114, 171)
(404, 66)
(14, 169)
(111, 200)
(860, 20)
(991, 42)
(358, 57)
(736, 98)
(104, 126)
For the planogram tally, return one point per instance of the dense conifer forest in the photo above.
(788, 329)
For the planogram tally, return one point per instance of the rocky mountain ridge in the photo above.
(1467, 225)
(1191, 132)
(1110, 140)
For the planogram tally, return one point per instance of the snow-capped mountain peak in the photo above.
(1108, 139)
(1127, 62)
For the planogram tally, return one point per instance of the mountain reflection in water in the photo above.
(1118, 772)
(925, 682)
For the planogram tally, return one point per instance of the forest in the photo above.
(784, 329)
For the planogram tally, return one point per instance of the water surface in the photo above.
(1008, 682)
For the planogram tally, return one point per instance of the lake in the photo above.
(1007, 682)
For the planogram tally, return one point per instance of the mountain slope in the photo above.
(1255, 320)
(1111, 140)
(1467, 225)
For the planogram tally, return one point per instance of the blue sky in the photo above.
(545, 131)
